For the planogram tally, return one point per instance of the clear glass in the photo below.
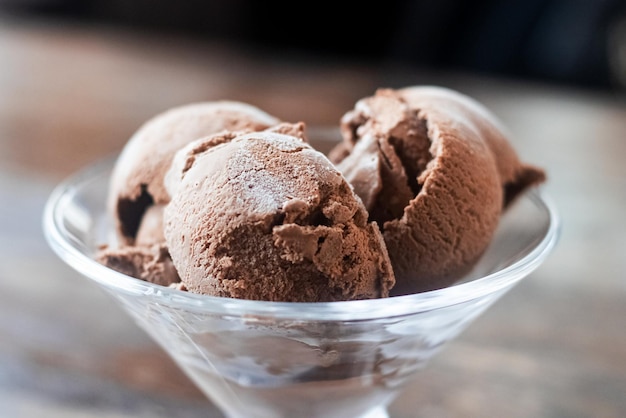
(257, 359)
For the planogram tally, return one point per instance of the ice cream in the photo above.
(137, 179)
(435, 170)
(262, 215)
(227, 200)
(137, 194)
(146, 262)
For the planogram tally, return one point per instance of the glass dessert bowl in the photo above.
(269, 359)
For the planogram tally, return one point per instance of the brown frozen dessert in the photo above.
(151, 263)
(137, 179)
(435, 170)
(417, 190)
(137, 195)
(262, 215)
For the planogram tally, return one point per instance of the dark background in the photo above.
(574, 42)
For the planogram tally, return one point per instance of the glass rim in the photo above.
(356, 310)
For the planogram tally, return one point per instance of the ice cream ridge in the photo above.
(223, 199)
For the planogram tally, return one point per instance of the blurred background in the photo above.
(577, 42)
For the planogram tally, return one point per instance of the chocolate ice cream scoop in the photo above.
(137, 179)
(264, 216)
(435, 170)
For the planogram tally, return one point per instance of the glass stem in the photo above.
(380, 412)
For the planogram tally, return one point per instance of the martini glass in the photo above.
(259, 359)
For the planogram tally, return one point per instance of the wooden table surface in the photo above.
(555, 346)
